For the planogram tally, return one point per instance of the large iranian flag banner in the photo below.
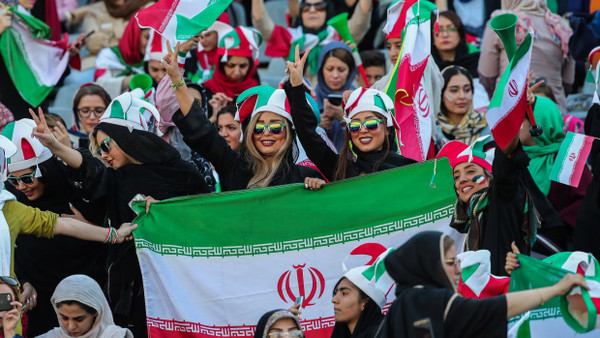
(213, 264)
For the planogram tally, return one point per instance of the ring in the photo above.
(34, 296)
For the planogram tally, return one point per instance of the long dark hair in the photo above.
(462, 48)
(447, 74)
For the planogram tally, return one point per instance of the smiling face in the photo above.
(394, 46)
(236, 68)
(75, 320)
(458, 96)
(266, 143)
(369, 140)
(230, 130)
(313, 16)
(448, 38)
(463, 180)
(115, 156)
(347, 306)
(32, 191)
(335, 73)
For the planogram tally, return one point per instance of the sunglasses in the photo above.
(9, 280)
(26, 179)
(274, 128)
(104, 148)
(371, 124)
(292, 334)
(319, 6)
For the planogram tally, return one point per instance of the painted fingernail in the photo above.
(518, 265)
(306, 186)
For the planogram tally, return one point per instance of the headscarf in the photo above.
(220, 83)
(268, 319)
(129, 45)
(368, 323)
(521, 8)
(85, 290)
(322, 90)
(542, 155)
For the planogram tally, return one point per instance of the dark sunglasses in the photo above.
(26, 179)
(274, 128)
(371, 124)
(319, 6)
(104, 148)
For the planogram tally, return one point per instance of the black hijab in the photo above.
(367, 324)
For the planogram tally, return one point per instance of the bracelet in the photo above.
(116, 237)
(541, 297)
(107, 236)
(112, 236)
(177, 84)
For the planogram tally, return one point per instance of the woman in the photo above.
(267, 156)
(370, 131)
(83, 311)
(550, 52)
(39, 180)
(450, 45)
(10, 319)
(336, 73)
(229, 128)
(427, 304)
(457, 119)
(89, 104)
(278, 324)
(125, 160)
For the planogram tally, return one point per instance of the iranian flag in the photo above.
(507, 109)
(571, 158)
(213, 264)
(407, 87)
(34, 63)
(180, 20)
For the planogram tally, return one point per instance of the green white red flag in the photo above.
(571, 158)
(213, 264)
(406, 87)
(507, 109)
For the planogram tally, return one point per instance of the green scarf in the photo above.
(542, 155)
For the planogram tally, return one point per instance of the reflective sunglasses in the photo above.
(9, 280)
(104, 148)
(371, 124)
(319, 6)
(293, 334)
(26, 179)
(85, 112)
(274, 128)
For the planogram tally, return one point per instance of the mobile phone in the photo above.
(335, 99)
(423, 328)
(299, 300)
(88, 35)
(5, 300)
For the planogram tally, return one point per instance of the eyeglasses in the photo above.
(293, 334)
(448, 30)
(274, 128)
(372, 124)
(452, 261)
(319, 6)
(85, 112)
(104, 148)
(9, 280)
(26, 179)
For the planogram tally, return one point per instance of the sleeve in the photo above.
(30, 220)
(359, 23)
(264, 25)
(305, 123)
(489, 61)
(476, 317)
(92, 177)
(203, 137)
(508, 171)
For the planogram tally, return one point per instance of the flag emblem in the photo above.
(572, 157)
(284, 287)
(513, 89)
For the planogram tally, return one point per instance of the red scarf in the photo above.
(208, 60)
(129, 45)
(220, 83)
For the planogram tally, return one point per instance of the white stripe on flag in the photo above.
(570, 161)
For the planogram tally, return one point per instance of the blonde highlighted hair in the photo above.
(94, 150)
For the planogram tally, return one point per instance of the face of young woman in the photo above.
(230, 130)
(463, 180)
(209, 41)
(236, 68)
(32, 191)
(369, 140)
(458, 95)
(394, 46)
(89, 111)
(447, 40)
(282, 326)
(75, 320)
(144, 37)
(115, 156)
(335, 73)
(156, 70)
(347, 306)
(451, 265)
(4, 288)
(314, 16)
(266, 143)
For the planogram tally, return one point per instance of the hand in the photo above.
(149, 200)
(61, 134)
(351, 45)
(29, 297)
(296, 310)
(346, 95)
(42, 131)
(11, 319)
(568, 282)
(76, 45)
(511, 259)
(5, 20)
(326, 121)
(313, 183)
(218, 102)
(531, 89)
(76, 215)
(170, 62)
(125, 231)
(335, 112)
(296, 68)
(189, 44)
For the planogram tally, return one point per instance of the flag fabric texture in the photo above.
(571, 158)
(212, 264)
(476, 279)
(406, 87)
(563, 316)
(508, 106)
(34, 63)
(180, 20)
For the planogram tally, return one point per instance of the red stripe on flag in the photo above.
(584, 152)
(509, 125)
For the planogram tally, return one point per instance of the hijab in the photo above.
(542, 155)
(220, 83)
(322, 90)
(268, 319)
(129, 45)
(367, 325)
(85, 290)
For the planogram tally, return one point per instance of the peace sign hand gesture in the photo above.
(296, 69)
(170, 62)
(42, 132)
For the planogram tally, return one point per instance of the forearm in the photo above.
(360, 21)
(68, 155)
(293, 8)
(75, 228)
(522, 301)
(184, 98)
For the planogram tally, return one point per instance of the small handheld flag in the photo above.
(571, 158)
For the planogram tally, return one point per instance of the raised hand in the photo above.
(170, 62)
(296, 68)
(42, 131)
(531, 88)
(189, 44)
(125, 231)
(511, 259)
(5, 19)
(11, 319)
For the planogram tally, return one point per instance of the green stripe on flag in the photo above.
(187, 28)
(563, 151)
(291, 218)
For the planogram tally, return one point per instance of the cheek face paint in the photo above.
(448, 97)
(479, 179)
